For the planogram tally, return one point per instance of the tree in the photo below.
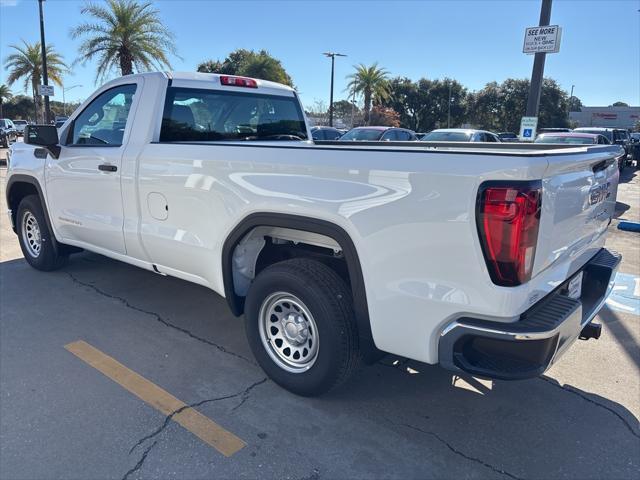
(124, 35)
(20, 107)
(501, 106)
(26, 64)
(620, 104)
(575, 105)
(384, 116)
(408, 100)
(370, 82)
(554, 105)
(485, 107)
(344, 109)
(5, 94)
(249, 63)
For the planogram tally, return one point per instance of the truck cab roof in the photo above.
(213, 81)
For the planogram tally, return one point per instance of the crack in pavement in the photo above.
(455, 450)
(568, 388)
(244, 394)
(138, 465)
(158, 318)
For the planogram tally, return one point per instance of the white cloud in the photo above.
(8, 3)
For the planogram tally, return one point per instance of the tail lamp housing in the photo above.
(508, 219)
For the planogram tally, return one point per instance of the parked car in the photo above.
(487, 263)
(8, 132)
(460, 135)
(553, 130)
(19, 125)
(378, 134)
(507, 137)
(619, 136)
(582, 138)
(578, 138)
(325, 133)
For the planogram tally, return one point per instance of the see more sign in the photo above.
(542, 39)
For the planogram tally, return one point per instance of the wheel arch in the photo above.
(20, 186)
(312, 225)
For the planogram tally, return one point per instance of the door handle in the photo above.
(105, 167)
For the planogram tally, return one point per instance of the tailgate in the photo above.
(579, 196)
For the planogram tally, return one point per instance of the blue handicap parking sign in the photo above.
(527, 132)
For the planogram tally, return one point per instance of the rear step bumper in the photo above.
(527, 347)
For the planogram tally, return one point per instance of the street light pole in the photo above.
(570, 101)
(537, 74)
(449, 109)
(45, 76)
(64, 103)
(333, 56)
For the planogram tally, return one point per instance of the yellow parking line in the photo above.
(202, 427)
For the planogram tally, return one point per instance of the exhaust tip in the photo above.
(591, 330)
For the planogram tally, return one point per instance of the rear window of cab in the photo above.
(196, 115)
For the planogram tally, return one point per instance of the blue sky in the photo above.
(474, 42)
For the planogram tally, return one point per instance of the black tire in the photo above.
(49, 256)
(329, 301)
(5, 142)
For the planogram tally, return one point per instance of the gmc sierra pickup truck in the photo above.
(485, 259)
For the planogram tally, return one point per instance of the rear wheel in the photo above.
(37, 243)
(300, 326)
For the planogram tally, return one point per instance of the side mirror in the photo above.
(43, 136)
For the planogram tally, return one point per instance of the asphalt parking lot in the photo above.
(198, 406)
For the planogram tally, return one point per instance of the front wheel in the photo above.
(300, 325)
(37, 242)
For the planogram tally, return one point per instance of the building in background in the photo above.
(614, 117)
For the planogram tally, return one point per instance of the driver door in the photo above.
(83, 184)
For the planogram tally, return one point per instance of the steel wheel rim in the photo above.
(288, 332)
(31, 235)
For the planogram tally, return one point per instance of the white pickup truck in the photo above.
(488, 260)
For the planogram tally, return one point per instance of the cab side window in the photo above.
(389, 136)
(103, 122)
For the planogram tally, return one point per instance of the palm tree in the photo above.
(372, 83)
(126, 34)
(5, 94)
(26, 64)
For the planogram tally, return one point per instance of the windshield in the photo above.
(363, 134)
(19, 122)
(447, 137)
(605, 133)
(563, 139)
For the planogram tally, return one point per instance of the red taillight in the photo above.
(508, 218)
(238, 81)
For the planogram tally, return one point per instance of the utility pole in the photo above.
(537, 74)
(45, 76)
(333, 56)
